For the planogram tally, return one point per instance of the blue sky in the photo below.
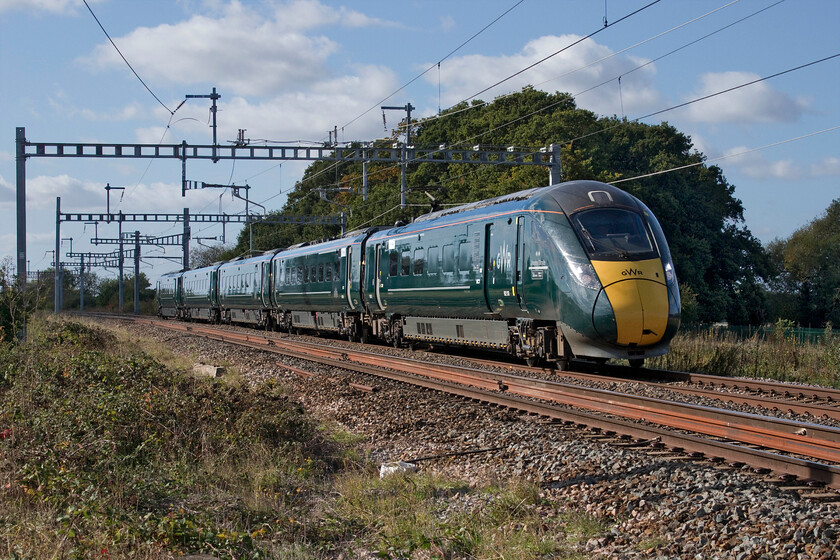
(290, 71)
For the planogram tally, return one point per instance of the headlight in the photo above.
(584, 274)
(670, 275)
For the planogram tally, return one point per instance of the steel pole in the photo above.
(121, 262)
(137, 273)
(57, 294)
(82, 285)
(186, 239)
(20, 159)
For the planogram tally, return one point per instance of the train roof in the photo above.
(571, 197)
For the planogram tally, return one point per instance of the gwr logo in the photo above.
(632, 272)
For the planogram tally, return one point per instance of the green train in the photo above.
(574, 270)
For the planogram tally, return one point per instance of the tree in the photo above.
(207, 255)
(809, 282)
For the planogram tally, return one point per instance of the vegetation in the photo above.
(100, 293)
(776, 354)
(107, 453)
(16, 305)
(807, 290)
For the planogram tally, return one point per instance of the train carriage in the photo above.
(317, 286)
(245, 290)
(199, 294)
(169, 295)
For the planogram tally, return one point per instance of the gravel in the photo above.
(655, 507)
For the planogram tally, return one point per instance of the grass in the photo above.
(110, 448)
(775, 356)
(412, 514)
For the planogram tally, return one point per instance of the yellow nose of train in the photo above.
(639, 298)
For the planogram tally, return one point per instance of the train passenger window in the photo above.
(393, 263)
(328, 272)
(449, 258)
(419, 255)
(465, 257)
(299, 279)
(405, 263)
(434, 261)
(336, 268)
(305, 274)
(313, 274)
(321, 272)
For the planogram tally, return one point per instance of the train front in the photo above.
(623, 280)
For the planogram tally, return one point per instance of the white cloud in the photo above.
(298, 116)
(447, 23)
(756, 103)
(288, 117)
(243, 51)
(88, 196)
(52, 6)
(828, 167)
(127, 113)
(42, 190)
(756, 166)
(7, 194)
(574, 70)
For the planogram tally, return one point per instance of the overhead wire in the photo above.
(417, 77)
(513, 121)
(509, 77)
(727, 156)
(709, 96)
(171, 112)
(599, 131)
(567, 47)
(610, 80)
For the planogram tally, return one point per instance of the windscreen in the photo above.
(613, 234)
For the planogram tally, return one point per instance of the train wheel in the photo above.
(363, 336)
(532, 361)
(636, 363)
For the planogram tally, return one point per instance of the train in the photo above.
(576, 270)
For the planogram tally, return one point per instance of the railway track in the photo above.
(807, 400)
(800, 453)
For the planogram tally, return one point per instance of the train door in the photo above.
(265, 292)
(348, 277)
(377, 277)
(499, 272)
(214, 287)
(519, 261)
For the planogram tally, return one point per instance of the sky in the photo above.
(290, 71)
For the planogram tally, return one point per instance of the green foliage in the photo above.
(809, 263)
